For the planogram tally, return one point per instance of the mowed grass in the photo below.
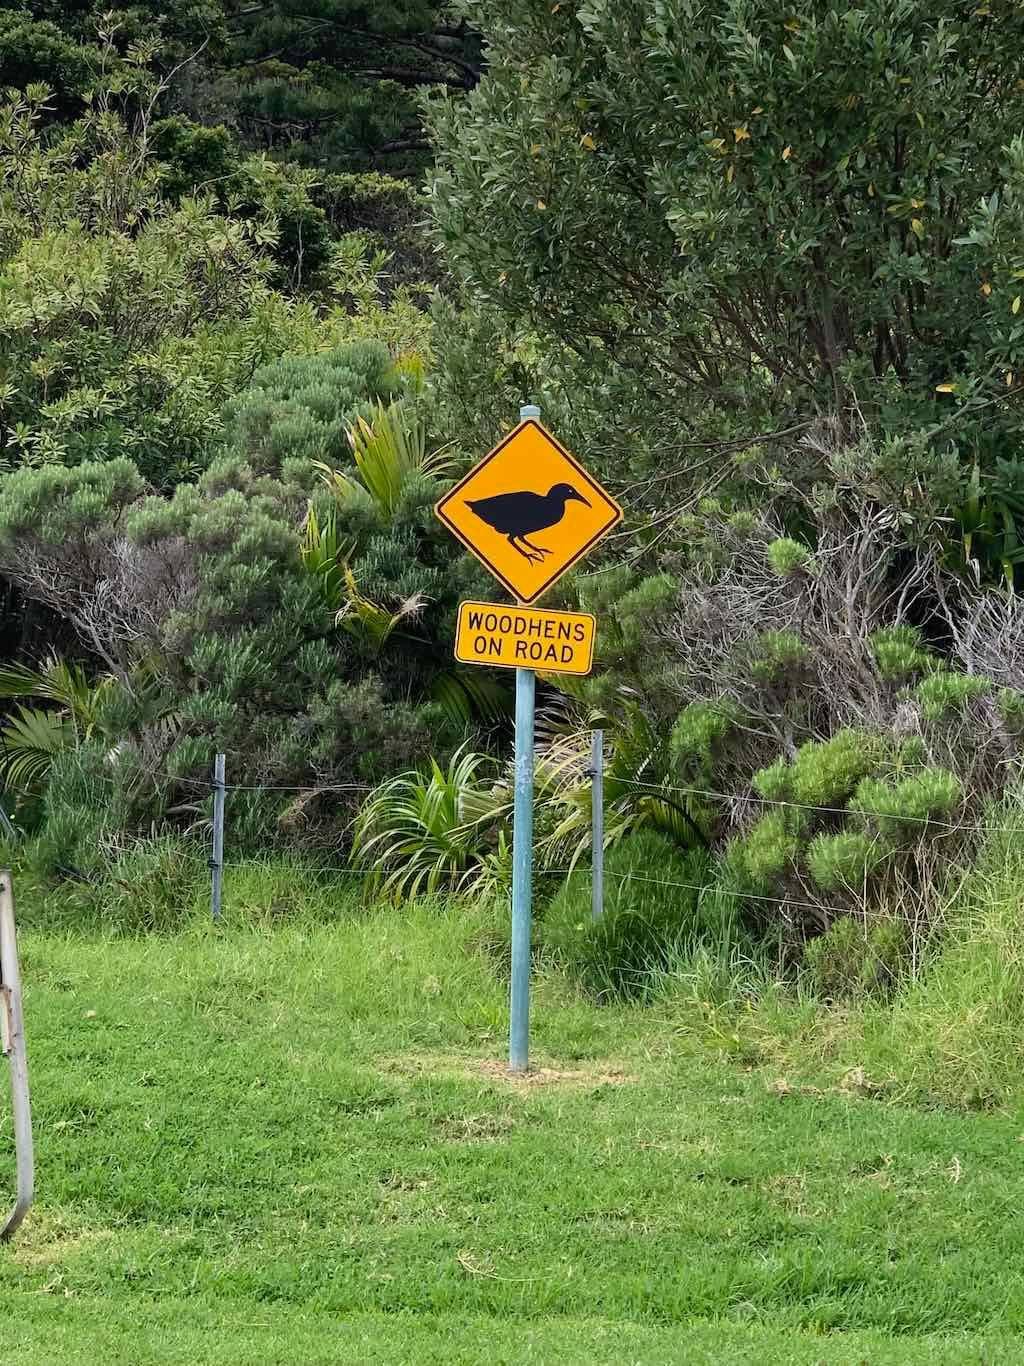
(294, 1142)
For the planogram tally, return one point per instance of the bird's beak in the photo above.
(579, 498)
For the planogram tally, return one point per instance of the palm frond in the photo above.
(324, 554)
(30, 740)
(467, 697)
(388, 450)
(429, 832)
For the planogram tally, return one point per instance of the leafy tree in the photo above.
(124, 318)
(753, 212)
(312, 662)
(332, 84)
(37, 51)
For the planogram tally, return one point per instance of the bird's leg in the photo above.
(532, 556)
(537, 549)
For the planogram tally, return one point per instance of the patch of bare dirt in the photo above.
(496, 1070)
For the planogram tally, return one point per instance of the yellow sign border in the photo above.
(505, 608)
(481, 464)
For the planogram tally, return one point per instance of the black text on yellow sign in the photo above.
(525, 638)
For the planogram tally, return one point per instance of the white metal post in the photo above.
(13, 1040)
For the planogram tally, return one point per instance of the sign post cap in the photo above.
(528, 410)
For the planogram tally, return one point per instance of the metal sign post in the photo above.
(529, 511)
(597, 824)
(522, 876)
(12, 1039)
(522, 860)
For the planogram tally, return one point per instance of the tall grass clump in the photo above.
(152, 887)
(956, 1033)
(658, 915)
(945, 1030)
(161, 886)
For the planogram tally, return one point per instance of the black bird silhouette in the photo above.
(518, 515)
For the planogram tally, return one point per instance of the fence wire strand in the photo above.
(648, 789)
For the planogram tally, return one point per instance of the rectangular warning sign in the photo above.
(525, 638)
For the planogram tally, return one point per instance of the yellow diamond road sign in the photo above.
(529, 511)
(524, 638)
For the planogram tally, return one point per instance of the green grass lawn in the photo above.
(296, 1144)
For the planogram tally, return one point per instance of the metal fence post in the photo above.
(217, 861)
(522, 861)
(6, 826)
(597, 823)
(12, 1038)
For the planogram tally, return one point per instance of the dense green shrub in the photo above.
(845, 861)
(761, 857)
(787, 556)
(943, 692)
(899, 652)
(853, 959)
(747, 160)
(823, 772)
(697, 738)
(903, 810)
(208, 595)
(777, 658)
(300, 408)
(646, 925)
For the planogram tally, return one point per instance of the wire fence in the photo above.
(634, 786)
(708, 888)
(638, 785)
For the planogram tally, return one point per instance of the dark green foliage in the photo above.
(810, 180)
(127, 319)
(336, 87)
(900, 653)
(37, 51)
(855, 960)
(986, 542)
(645, 926)
(217, 610)
(300, 408)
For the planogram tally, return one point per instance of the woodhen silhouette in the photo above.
(520, 515)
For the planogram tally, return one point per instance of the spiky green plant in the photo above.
(431, 832)
(32, 737)
(638, 789)
(324, 555)
(368, 621)
(388, 451)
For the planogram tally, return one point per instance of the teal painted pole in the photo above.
(597, 824)
(522, 862)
